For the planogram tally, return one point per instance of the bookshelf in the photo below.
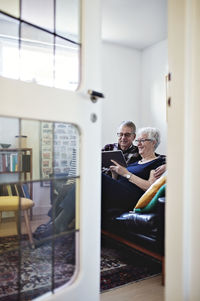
(17, 161)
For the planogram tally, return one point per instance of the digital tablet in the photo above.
(113, 155)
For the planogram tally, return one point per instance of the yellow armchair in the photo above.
(14, 203)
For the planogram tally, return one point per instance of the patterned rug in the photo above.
(35, 274)
(40, 270)
(121, 265)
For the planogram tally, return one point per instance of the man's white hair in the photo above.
(129, 124)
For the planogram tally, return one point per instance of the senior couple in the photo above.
(124, 186)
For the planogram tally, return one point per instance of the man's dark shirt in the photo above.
(131, 154)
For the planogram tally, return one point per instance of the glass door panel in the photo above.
(41, 181)
(9, 47)
(67, 64)
(31, 49)
(10, 7)
(39, 176)
(40, 13)
(68, 19)
(36, 55)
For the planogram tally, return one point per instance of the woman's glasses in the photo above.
(142, 140)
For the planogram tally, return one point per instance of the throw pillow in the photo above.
(151, 191)
(150, 206)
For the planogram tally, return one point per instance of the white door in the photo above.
(31, 101)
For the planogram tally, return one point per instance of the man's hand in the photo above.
(152, 177)
(114, 175)
(159, 171)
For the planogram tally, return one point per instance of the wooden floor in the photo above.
(149, 289)
(8, 225)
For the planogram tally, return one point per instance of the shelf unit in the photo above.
(17, 161)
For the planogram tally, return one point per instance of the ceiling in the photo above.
(134, 23)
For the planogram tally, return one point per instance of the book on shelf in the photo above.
(13, 162)
(3, 162)
(8, 162)
(21, 190)
(25, 190)
(26, 163)
(9, 190)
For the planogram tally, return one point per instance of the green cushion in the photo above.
(150, 206)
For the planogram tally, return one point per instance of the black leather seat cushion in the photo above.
(145, 229)
(138, 222)
(115, 220)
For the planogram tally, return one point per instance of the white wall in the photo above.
(134, 85)
(153, 90)
(121, 80)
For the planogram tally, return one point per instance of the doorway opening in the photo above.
(135, 65)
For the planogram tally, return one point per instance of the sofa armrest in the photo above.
(161, 219)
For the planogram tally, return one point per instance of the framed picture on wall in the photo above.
(46, 151)
(58, 156)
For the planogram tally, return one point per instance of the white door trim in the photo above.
(183, 206)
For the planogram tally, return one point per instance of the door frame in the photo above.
(183, 206)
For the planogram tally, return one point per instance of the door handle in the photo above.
(94, 95)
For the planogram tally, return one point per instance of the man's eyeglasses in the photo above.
(127, 135)
(142, 140)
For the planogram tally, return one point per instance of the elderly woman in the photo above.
(128, 184)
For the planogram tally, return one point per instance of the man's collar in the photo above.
(131, 147)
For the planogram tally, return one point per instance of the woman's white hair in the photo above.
(152, 133)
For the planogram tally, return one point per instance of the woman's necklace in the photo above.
(144, 160)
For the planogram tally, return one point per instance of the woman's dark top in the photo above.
(123, 194)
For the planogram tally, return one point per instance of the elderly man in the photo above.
(126, 135)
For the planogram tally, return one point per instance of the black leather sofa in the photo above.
(141, 231)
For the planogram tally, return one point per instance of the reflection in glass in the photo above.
(36, 55)
(36, 261)
(64, 226)
(68, 19)
(9, 255)
(42, 217)
(66, 65)
(40, 13)
(10, 7)
(33, 51)
(9, 47)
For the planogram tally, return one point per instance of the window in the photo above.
(40, 42)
